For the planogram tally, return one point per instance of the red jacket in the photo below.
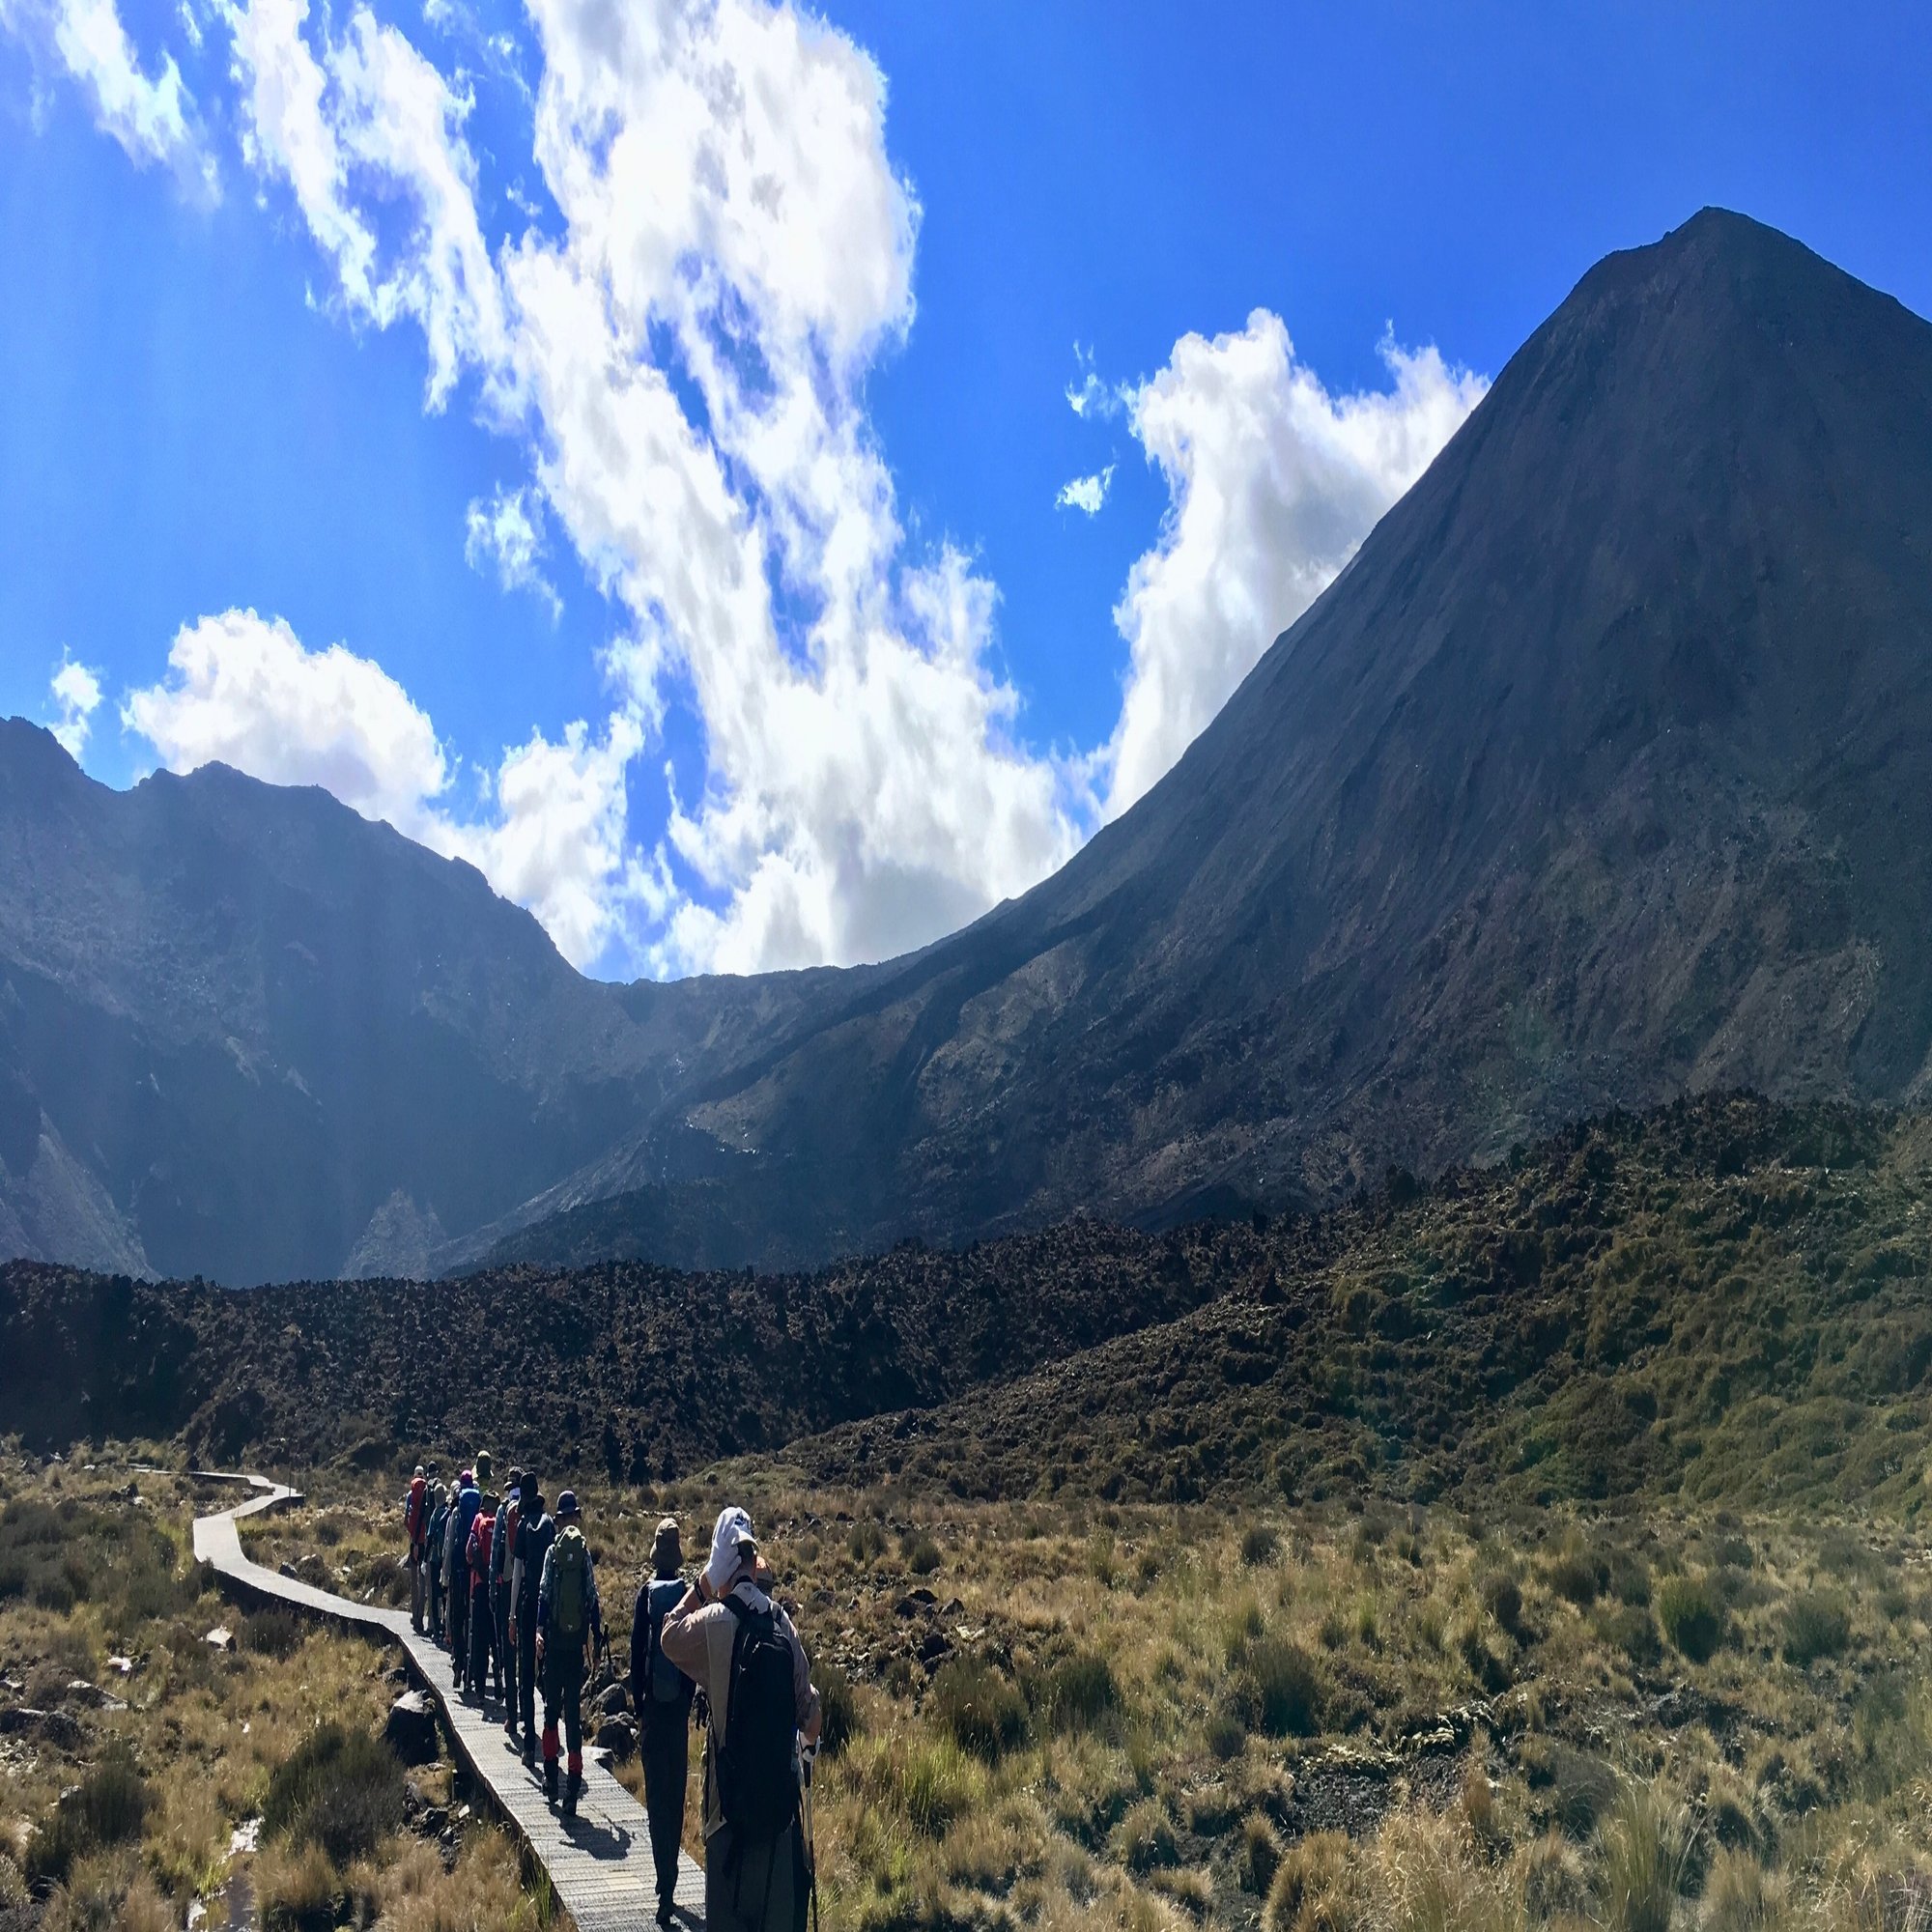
(415, 1512)
(480, 1533)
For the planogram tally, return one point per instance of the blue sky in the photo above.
(795, 492)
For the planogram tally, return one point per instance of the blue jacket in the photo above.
(456, 1532)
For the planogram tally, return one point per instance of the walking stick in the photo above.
(807, 1758)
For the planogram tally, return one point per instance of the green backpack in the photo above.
(569, 1582)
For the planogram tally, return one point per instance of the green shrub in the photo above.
(1226, 1735)
(1816, 1624)
(933, 1788)
(982, 1711)
(276, 1634)
(1580, 1575)
(1692, 1617)
(1080, 1690)
(921, 1553)
(1258, 1544)
(837, 1709)
(340, 1789)
(1633, 1632)
(109, 1806)
(1281, 1685)
(866, 1543)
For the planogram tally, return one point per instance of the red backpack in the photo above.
(415, 1513)
(480, 1534)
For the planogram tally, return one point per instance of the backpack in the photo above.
(415, 1509)
(668, 1683)
(505, 1551)
(534, 1537)
(569, 1582)
(479, 1548)
(758, 1781)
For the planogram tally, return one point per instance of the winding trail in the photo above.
(599, 1864)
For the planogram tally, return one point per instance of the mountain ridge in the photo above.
(1604, 773)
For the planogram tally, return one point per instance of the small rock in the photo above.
(602, 1759)
(289, 1571)
(220, 1637)
(80, 1692)
(434, 1822)
(409, 1729)
(122, 1666)
(615, 1702)
(397, 1673)
(934, 1648)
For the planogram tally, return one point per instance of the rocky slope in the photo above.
(1602, 774)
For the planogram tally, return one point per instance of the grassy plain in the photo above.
(1382, 1719)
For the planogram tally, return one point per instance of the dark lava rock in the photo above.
(409, 1729)
(615, 1702)
(619, 1735)
(54, 1727)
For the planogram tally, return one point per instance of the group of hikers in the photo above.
(508, 1587)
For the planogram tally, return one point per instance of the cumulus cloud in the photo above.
(506, 532)
(1272, 484)
(152, 116)
(1086, 493)
(76, 694)
(244, 689)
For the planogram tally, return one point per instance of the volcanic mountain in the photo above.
(1603, 772)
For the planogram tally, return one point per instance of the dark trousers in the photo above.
(506, 1653)
(667, 1752)
(458, 1624)
(482, 1638)
(526, 1667)
(755, 1887)
(563, 1695)
(436, 1601)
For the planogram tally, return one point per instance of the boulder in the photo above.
(410, 1730)
(619, 1737)
(615, 1702)
(54, 1727)
(220, 1637)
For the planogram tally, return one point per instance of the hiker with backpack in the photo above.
(662, 1693)
(570, 1628)
(468, 1499)
(738, 1646)
(502, 1551)
(482, 1600)
(535, 1533)
(438, 1516)
(415, 1525)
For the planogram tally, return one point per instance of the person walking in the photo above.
(501, 1552)
(482, 1600)
(535, 1533)
(463, 1508)
(570, 1628)
(662, 1693)
(415, 1525)
(438, 1518)
(738, 1646)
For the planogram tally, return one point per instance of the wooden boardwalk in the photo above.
(599, 1864)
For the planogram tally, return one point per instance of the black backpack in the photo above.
(757, 1782)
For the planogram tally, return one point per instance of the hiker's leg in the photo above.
(527, 1674)
(506, 1651)
(666, 1765)
(572, 1710)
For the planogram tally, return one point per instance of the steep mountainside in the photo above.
(244, 1031)
(1604, 771)
(1602, 774)
(1723, 1300)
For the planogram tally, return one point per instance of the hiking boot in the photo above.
(666, 1913)
(529, 1755)
(550, 1779)
(573, 1790)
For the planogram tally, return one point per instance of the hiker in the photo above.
(482, 1600)
(438, 1516)
(415, 1523)
(738, 1648)
(502, 1551)
(535, 1533)
(456, 1571)
(570, 1628)
(661, 1694)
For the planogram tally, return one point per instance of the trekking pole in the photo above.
(806, 1759)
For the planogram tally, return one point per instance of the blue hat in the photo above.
(566, 1503)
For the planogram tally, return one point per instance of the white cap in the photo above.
(730, 1542)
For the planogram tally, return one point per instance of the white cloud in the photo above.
(1086, 493)
(507, 532)
(76, 695)
(1090, 396)
(244, 689)
(151, 117)
(243, 692)
(1272, 483)
(372, 119)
